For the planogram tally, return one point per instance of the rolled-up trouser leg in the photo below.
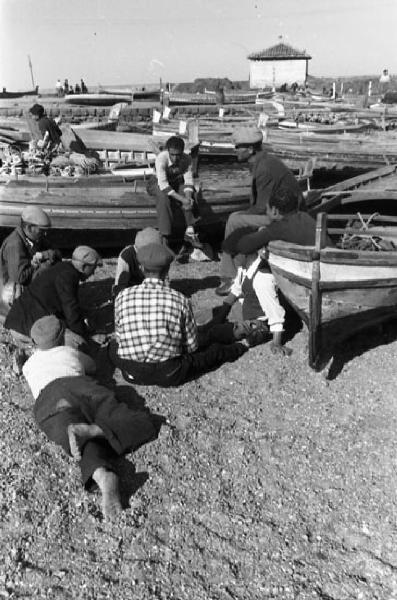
(95, 453)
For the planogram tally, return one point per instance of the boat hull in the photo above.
(106, 203)
(355, 290)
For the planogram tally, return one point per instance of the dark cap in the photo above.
(155, 257)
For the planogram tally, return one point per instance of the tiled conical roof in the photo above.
(279, 51)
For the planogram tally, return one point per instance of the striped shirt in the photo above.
(154, 322)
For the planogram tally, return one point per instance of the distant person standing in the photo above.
(59, 88)
(77, 89)
(66, 86)
(83, 86)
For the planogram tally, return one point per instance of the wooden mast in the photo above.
(31, 71)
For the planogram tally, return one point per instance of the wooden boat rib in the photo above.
(336, 292)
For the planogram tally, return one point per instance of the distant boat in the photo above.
(101, 99)
(5, 94)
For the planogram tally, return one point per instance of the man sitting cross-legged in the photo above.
(79, 414)
(156, 332)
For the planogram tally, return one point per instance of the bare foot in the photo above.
(108, 483)
(79, 434)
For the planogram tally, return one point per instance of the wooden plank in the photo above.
(315, 296)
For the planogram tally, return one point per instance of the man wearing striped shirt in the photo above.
(156, 332)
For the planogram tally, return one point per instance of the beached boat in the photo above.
(105, 206)
(336, 292)
(4, 95)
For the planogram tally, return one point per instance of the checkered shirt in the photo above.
(154, 322)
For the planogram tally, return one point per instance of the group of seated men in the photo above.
(157, 340)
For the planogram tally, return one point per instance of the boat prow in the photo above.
(336, 292)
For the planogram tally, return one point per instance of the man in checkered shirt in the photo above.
(156, 332)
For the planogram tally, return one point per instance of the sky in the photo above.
(120, 42)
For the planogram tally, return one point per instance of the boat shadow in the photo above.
(340, 355)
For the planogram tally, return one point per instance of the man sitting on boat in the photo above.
(157, 341)
(51, 133)
(79, 414)
(54, 292)
(174, 184)
(129, 271)
(25, 253)
(269, 174)
(254, 282)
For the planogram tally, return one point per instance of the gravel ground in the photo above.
(270, 482)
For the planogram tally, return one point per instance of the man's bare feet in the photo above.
(79, 434)
(108, 483)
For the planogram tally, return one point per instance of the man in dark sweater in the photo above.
(48, 128)
(25, 253)
(54, 292)
(269, 174)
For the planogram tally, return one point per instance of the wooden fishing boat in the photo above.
(105, 206)
(336, 292)
(101, 99)
(5, 95)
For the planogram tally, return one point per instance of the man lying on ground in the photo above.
(157, 337)
(25, 253)
(80, 415)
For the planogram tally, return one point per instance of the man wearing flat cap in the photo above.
(55, 292)
(156, 332)
(25, 253)
(269, 174)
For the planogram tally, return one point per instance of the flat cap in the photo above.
(35, 216)
(155, 257)
(247, 135)
(47, 332)
(149, 235)
(86, 255)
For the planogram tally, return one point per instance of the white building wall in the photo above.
(266, 72)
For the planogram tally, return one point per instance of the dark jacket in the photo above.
(16, 255)
(296, 228)
(269, 174)
(53, 292)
